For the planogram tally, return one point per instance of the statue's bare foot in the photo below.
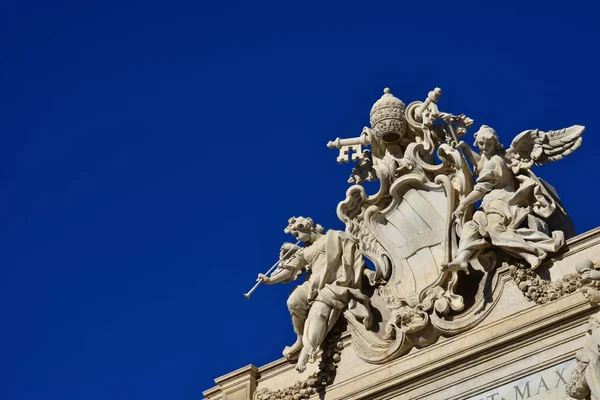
(302, 360)
(456, 265)
(292, 352)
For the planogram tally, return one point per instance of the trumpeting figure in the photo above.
(334, 270)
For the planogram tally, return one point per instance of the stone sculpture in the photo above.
(590, 280)
(585, 381)
(586, 378)
(420, 231)
(335, 269)
(515, 203)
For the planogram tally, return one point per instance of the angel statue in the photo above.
(334, 270)
(515, 204)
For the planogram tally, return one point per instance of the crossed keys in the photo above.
(350, 149)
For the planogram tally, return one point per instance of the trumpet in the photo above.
(247, 295)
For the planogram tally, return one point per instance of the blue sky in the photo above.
(152, 153)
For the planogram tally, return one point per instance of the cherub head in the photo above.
(486, 140)
(303, 229)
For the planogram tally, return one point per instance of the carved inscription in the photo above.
(548, 384)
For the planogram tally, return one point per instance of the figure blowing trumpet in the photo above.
(332, 284)
(287, 250)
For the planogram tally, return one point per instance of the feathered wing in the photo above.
(537, 147)
(558, 144)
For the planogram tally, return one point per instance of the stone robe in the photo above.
(507, 218)
(334, 267)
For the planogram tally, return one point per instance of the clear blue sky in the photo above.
(152, 153)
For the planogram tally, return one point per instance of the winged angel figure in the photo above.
(516, 204)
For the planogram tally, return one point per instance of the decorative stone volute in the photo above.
(387, 117)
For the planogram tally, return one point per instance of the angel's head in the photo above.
(303, 229)
(486, 140)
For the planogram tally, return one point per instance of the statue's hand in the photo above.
(462, 145)
(263, 278)
(460, 210)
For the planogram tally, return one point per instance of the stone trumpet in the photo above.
(259, 280)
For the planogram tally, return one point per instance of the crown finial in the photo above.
(387, 117)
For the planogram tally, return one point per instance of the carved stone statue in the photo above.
(585, 380)
(420, 228)
(590, 280)
(334, 271)
(515, 203)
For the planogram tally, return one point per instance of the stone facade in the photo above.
(469, 303)
(522, 350)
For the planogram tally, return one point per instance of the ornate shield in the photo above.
(408, 232)
(415, 231)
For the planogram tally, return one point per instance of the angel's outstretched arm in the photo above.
(473, 197)
(471, 154)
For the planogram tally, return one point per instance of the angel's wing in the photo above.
(537, 147)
